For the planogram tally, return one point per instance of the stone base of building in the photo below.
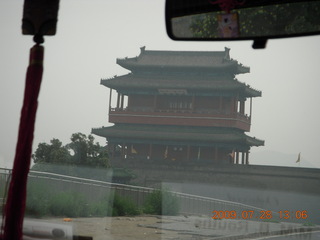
(151, 173)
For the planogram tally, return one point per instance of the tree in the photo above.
(81, 151)
(51, 153)
(86, 152)
(79, 147)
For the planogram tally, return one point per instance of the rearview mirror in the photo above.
(257, 20)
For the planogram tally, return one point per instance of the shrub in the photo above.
(69, 204)
(4, 183)
(116, 206)
(43, 200)
(38, 196)
(124, 206)
(161, 202)
(100, 209)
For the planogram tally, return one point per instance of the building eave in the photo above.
(183, 60)
(178, 134)
(151, 84)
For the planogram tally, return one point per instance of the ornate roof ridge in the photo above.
(248, 86)
(183, 52)
(225, 54)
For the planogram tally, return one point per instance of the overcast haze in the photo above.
(92, 34)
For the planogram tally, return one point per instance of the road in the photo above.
(295, 236)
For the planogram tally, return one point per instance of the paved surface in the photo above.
(178, 228)
(207, 228)
(308, 236)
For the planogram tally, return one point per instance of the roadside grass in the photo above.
(43, 201)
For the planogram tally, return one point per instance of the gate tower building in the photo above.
(183, 106)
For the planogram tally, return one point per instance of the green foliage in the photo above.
(87, 152)
(204, 27)
(69, 204)
(161, 202)
(38, 196)
(124, 206)
(101, 208)
(82, 150)
(43, 200)
(4, 185)
(53, 152)
(46, 201)
(263, 21)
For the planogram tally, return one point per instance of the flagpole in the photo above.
(299, 158)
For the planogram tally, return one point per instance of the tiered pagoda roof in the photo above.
(217, 61)
(146, 84)
(205, 136)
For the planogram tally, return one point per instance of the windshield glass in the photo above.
(141, 137)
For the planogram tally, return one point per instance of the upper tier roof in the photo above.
(165, 60)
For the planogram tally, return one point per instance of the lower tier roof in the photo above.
(177, 135)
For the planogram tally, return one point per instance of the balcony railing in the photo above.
(197, 117)
(177, 110)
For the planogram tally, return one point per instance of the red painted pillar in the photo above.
(247, 157)
(118, 100)
(242, 157)
(122, 100)
(110, 99)
(237, 157)
(242, 107)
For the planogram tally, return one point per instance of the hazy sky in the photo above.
(92, 34)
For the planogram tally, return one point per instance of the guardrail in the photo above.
(189, 204)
